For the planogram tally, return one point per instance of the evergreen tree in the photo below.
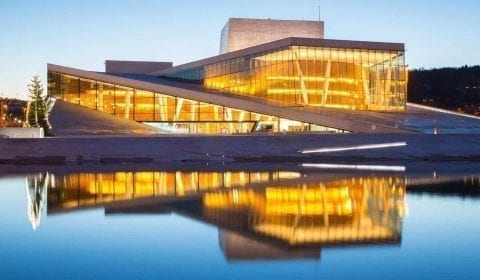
(37, 110)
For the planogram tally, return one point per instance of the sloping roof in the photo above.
(417, 118)
(292, 41)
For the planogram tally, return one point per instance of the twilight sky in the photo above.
(82, 34)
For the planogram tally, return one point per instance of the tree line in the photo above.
(450, 88)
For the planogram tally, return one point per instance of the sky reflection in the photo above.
(288, 224)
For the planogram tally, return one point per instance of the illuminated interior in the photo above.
(74, 190)
(354, 79)
(362, 209)
(352, 210)
(170, 114)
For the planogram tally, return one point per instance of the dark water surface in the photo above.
(233, 224)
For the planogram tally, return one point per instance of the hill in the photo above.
(450, 88)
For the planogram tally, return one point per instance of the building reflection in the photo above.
(239, 247)
(36, 191)
(344, 211)
(72, 191)
(260, 215)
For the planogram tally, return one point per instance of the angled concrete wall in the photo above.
(241, 33)
(134, 67)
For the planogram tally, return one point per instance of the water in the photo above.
(233, 224)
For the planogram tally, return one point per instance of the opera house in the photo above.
(270, 76)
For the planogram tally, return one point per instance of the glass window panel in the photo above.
(54, 84)
(70, 89)
(88, 93)
(144, 105)
(123, 102)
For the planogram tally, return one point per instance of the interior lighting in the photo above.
(359, 147)
(355, 166)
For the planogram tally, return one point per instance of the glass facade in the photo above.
(172, 114)
(354, 79)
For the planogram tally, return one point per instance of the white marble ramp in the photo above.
(74, 120)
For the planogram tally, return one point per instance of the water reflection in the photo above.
(355, 210)
(299, 222)
(36, 188)
(88, 189)
(260, 215)
(466, 186)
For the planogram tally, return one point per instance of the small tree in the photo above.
(38, 106)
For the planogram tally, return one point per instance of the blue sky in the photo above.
(83, 34)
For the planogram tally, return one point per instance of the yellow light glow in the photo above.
(296, 212)
(312, 79)
(297, 91)
(358, 147)
(363, 75)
